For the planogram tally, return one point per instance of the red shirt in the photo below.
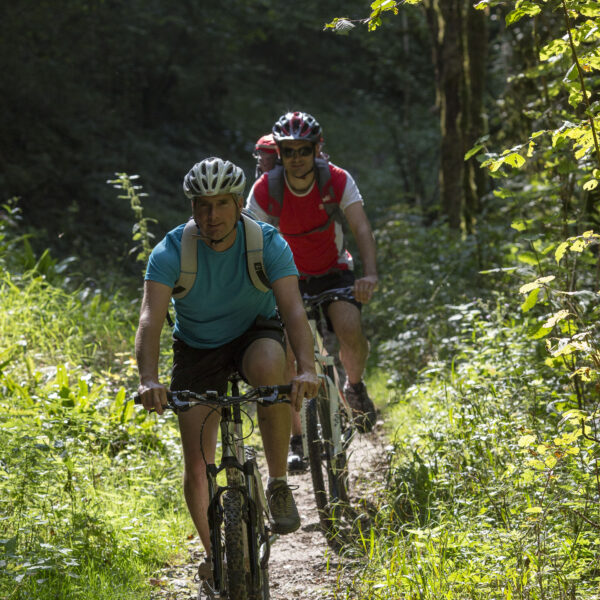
(318, 252)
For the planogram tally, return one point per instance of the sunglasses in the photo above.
(291, 153)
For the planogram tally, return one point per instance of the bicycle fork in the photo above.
(231, 430)
(234, 458)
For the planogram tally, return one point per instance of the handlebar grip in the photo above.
(285, 390)
(137, 399)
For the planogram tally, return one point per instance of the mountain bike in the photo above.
(327, 424)
(238, 513)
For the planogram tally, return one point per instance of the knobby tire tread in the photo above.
(338, 480)
(261, 533)
(315, 459)
(234, 541)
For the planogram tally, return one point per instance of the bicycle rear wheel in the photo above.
(235, 530)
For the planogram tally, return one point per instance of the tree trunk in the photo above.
(446, 25)
(476, 41)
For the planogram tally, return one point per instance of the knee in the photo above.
(267, 366)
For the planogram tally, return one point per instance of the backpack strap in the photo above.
(276, 187)
(189, 260)
(332, 208)
(189, 257)
(254, 254)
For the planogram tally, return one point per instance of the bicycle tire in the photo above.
(234, 525)
(260, 538)
(315, 460)
(336, 466)
(329, 473)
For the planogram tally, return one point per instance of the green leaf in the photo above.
(534, 510)
(560, 251)
(473, 151)
(515, 160)
(519, 225)
(525, 9)
(529, 258)
(531, 300)
(524, 289)
(556, 318)
(526, 440)
(540, 333)
(554, 48)
(592, 184)
(383, 5)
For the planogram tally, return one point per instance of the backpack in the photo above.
(254, 256)
(323, 179)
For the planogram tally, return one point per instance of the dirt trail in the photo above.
(302, 566)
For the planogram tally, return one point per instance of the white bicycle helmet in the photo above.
(297, 126)
(212, 177)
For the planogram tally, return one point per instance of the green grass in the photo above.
(90, 493)
(90, 488)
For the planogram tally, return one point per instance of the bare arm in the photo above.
(287, 295)
(155, 304)
(361, 229)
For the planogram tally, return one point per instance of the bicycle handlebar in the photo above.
(344, 293)
(182, 400)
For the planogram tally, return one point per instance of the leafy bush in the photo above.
(90, 495)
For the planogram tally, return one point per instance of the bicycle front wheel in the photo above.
(235, 530)
(328, 471)
(258, 534)
(316, 455)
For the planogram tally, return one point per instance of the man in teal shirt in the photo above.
(225, 324)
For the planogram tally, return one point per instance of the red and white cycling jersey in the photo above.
(318, 252)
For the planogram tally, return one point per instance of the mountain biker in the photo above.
(225, 324)
(314, 196)
(265, 152)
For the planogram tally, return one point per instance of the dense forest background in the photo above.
(472, 131)
(94, 88)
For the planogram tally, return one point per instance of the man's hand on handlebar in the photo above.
(365, 287)
(153, 395)
(304, 385)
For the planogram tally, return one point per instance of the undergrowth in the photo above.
(493, 490)
(90, 494)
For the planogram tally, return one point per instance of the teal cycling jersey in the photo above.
(223, 303)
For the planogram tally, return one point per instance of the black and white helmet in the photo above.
(213, 177)
(297, 126)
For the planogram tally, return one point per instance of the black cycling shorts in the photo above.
(316, 284)
(202, 369)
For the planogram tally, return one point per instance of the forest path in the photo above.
(301, 566)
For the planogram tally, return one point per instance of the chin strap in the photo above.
(215, 242)
(307, 173)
